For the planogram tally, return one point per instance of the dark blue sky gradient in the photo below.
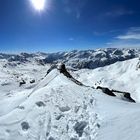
(65, 24)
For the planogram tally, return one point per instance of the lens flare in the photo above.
(39, 5)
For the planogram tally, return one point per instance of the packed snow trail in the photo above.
(60, 110)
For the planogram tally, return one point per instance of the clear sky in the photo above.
(69, 24)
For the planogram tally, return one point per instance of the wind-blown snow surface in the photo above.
(59, 109)
(55, 108)
(11, 74)
(122, 76)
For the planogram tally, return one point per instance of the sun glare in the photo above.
(39, 5)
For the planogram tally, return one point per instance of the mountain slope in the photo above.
(123, 76)
(90, 59)
(52, 110)
(58, 108)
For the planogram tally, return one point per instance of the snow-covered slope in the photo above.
(92, 58)
(59, 109)
(11, 74)
(54, 107)
(122, 76)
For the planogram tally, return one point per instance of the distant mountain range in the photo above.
(40, 101)
(76, 59)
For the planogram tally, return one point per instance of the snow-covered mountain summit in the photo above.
(59, 109)
(39, 101)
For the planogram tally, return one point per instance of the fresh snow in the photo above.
(56, 108)
(60, 109)
(122, 76)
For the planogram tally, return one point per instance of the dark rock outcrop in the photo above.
(111, 93)
(62, 69)
(106, 91)
(22, 83)
(128, 96)
(32, 81)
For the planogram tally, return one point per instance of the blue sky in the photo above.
(69, 24)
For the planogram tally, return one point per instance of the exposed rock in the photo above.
(138, 65)
(32, 81)
(127, 95)
(106, 91)
(22, 83)
(118, 52)
(62, 69)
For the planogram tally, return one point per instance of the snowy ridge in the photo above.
(56, 107)
(123, 76)
(56, 111)
(59, 109)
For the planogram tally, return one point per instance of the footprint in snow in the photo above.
(64, 108)
(59, 117)
(79, 127)
(25, 126)
(21, 107)
(40, 104)
(73, 139)
(51, 138)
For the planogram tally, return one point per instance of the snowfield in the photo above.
(122, 76)
(57, 109)
(54, 107)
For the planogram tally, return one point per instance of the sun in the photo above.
(39, 5)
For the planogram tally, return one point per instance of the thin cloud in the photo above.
(101, 33)
(118, 12)
(122, 45)
(129, 36)
(132, 34)
(130, 39)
